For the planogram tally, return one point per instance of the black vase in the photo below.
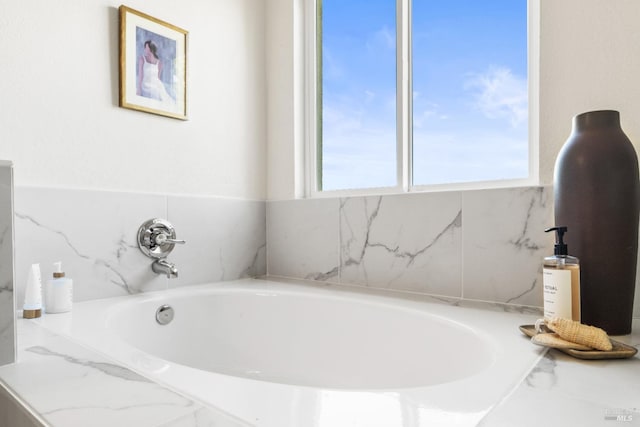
(597, 196)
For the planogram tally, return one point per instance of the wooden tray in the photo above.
(619, 351)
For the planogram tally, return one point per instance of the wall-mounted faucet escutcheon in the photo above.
(156, 239)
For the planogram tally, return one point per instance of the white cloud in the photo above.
(331, 67)
(499, 94)
(383, 38)
(361, 158)
(341, 120)
(359, 141)
(427, 111)
(465, 155)
(369, 95)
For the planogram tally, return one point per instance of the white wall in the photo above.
(59, 117)
(588, 61)
(60, 123)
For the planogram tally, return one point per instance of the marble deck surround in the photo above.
(7, 294)
(66, 384)
(482, 245)
(94, 234)
(563, 391)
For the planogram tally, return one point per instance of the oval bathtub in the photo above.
(293, 337)
(297, 355)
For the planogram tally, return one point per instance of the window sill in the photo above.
(461, 186)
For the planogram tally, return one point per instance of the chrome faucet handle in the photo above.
(157, 237)
(164, 239)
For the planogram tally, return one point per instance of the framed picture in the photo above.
(153, 65)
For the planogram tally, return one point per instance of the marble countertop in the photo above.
(563, 391)
(66, 384)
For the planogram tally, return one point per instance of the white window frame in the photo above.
(404, 114)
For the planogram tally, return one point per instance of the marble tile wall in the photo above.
(94, 234)
(7, 295)
(408, 242)
(482, 245)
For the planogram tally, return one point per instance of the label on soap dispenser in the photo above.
(557, 293)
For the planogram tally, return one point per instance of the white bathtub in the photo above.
(298, 355)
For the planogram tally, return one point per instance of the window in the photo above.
(419, 93)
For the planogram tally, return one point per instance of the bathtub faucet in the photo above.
(156, 239)
(162, 266)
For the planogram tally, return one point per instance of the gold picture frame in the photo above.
(153, 65)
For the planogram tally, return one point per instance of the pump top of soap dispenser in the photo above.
(560, 248)
(57, 270)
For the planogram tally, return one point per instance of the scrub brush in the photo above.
(576, 332)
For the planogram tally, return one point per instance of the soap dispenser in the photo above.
(58, 292)
(561, 280)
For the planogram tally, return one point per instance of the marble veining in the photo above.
(5, 234)
(410, 257)
(419, 252)
(256, 266)
(355, 256)
(563, 391)
(543, 375)
(484, 245)
(94, 234)
(505, 242)
(322, 277)
(123, 247)
(303, 239)
(201, 418)
(480, 245)
(6, 287)
(106, 368)
(44, 229)
(67, 384)
(528, 291)
(226, 239)
(524, 240)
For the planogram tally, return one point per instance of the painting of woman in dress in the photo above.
(155, 72)
(153, 65)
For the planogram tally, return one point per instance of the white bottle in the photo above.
(32, 308)
(58, 295)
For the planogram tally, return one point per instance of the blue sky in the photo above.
(469, 91)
